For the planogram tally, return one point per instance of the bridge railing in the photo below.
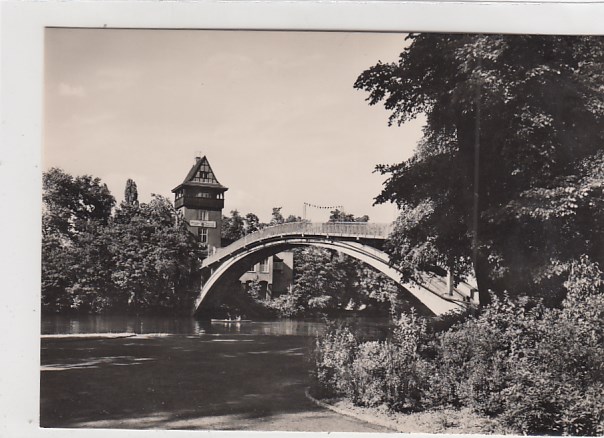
(364, 230)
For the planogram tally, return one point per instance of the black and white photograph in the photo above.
(321, 231)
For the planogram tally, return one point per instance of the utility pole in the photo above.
(477, 98)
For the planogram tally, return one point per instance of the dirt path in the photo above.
(226, 382)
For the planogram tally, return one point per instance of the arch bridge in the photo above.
(361, 240)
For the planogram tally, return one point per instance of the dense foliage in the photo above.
(73, 204)
(536, 369)
(233, 227)
(329, 283)
(338, 215)
(510, 169)
(139, 258)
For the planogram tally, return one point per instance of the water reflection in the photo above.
(81, 324)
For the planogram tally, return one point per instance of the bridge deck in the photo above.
(356, 239)
(359, 230)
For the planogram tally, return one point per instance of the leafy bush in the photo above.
(373, 373)
(287, 305)
(538, 370)
(335, 353)
(558, 385)
(474, 357)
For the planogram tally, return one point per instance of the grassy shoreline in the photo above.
(434, 421)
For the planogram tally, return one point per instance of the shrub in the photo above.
(287, 305)
(373, 373)
(557, 385)
(334, 354)
(383, 374)
(538, 370)
(473, 357)
(410, 338)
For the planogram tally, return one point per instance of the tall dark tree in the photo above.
(252, 223)
(131, 193)
(233, 227)
(276, 216)
(505, 175)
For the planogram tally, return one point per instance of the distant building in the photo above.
(275, 274)
(200, 198)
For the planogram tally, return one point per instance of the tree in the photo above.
(131, 193)
(319, 283)
(56, 275)
(75, 209)
(156, 260)
(276, 216)
(70, 204)
(338, 215)
(251, 223)
(91, 288)
(233, 227)
(512, 125)
(140, 259)
(328, 281)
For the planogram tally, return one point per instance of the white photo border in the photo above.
(21, 74)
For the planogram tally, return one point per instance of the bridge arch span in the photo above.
(429, 292)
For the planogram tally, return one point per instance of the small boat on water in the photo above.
(230, 321)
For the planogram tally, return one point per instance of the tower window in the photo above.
(203, 215)
(203, 235)
(204, 174)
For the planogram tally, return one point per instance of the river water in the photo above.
(370, 327)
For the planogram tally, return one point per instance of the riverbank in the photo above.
(443, 421)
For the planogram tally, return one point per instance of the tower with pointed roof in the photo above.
(200, 197)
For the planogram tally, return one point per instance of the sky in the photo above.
(275, 113)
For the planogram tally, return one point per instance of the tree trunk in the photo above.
(467, 132)
(483, 281)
